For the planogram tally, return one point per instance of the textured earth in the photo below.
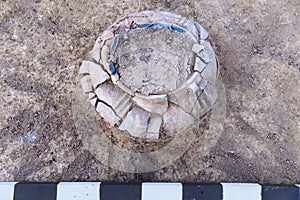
(258, 46)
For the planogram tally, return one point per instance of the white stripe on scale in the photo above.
(238, 191)
(161, 191)
(7, 190)
(298, 185)
(78, 191)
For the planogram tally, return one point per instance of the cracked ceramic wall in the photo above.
(162, 74)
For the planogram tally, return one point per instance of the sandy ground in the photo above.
(258, 45)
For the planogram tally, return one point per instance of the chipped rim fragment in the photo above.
(115, 105)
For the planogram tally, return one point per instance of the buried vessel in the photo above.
(151, 74)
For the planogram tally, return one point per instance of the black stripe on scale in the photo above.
(35, 191)
(280, 192)
(194, 191)
(120, 191)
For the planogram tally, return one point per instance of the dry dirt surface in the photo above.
(43, 43)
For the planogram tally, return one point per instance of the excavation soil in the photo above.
(258, 46)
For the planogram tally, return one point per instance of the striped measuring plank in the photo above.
(146, 191)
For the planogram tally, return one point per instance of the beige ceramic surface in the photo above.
(151, 74)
